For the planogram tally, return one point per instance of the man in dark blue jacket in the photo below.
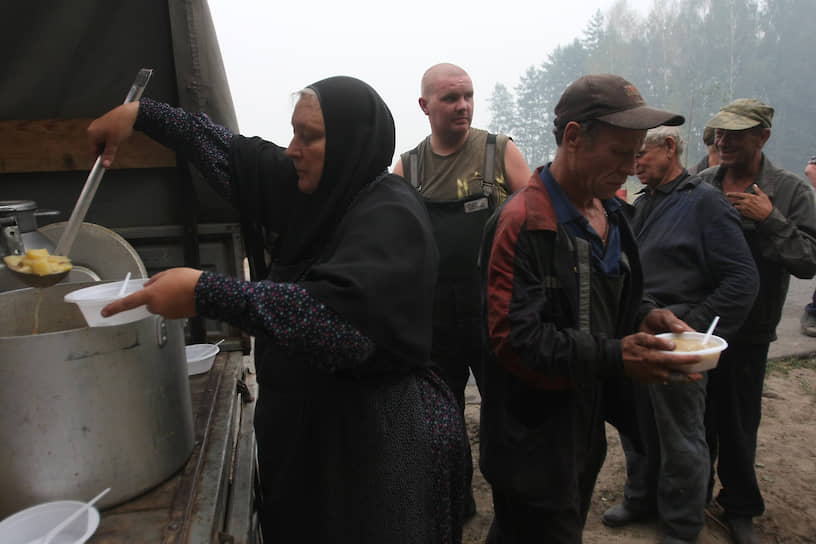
(697, 264)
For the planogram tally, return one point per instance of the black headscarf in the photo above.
(359, 147)
(361, 243)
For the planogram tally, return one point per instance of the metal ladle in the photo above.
(83, 202)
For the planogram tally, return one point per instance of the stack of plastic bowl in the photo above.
(200, 358)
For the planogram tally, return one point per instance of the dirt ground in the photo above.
(786, 468)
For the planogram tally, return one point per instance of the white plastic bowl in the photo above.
(33, 523)
(710, 355)
(91, 300)
(200, 358)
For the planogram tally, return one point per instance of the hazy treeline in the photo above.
(688, 56)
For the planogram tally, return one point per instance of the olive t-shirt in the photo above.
(460, 174)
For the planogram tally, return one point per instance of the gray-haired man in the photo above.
(695, 263)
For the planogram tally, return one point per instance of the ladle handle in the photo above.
(66, 241)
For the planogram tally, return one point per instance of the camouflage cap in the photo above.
(741, 114)
(812, 160)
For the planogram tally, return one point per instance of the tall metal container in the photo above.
(82, 409)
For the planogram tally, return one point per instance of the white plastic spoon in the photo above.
(710, 329)
(124, 286)
(64, 523)
(219, 342)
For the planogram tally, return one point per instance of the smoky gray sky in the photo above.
(273, 49)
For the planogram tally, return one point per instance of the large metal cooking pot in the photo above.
(82, 409)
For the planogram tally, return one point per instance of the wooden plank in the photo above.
(181, 514)
(241, 505)
(130, 528)
(60, 145)
(210, 501)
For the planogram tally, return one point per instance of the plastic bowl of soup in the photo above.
(91, 300)
(691, 343)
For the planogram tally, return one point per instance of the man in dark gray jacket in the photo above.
(779, 224)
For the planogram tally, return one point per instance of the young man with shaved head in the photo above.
(463, 173)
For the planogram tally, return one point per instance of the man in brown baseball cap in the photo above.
(613, 100)
(562, 290)
(779, 224)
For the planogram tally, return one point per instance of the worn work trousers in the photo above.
(520, 521)
(671, 476)
(456, 349)
(733, 412)
(810, 307)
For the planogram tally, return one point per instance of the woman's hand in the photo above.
(170, 294)
(106, 133)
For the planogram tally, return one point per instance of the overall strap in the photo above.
(489, 183)
(413, 168)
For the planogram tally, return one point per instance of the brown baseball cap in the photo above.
(613, 100)
(741, 114)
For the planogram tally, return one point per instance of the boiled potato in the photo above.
(39, 262)
(13, 260)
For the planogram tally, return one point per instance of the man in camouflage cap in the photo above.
(779, 224)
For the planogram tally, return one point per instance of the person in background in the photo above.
(358, 438)
(712, 156)
(809, 315)
(810, 171)
(562, 287)
(463, 173)
(697, 264)
(779, 224)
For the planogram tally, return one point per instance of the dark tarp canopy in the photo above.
(64, 63)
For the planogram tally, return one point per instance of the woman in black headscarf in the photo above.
(358, 439)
